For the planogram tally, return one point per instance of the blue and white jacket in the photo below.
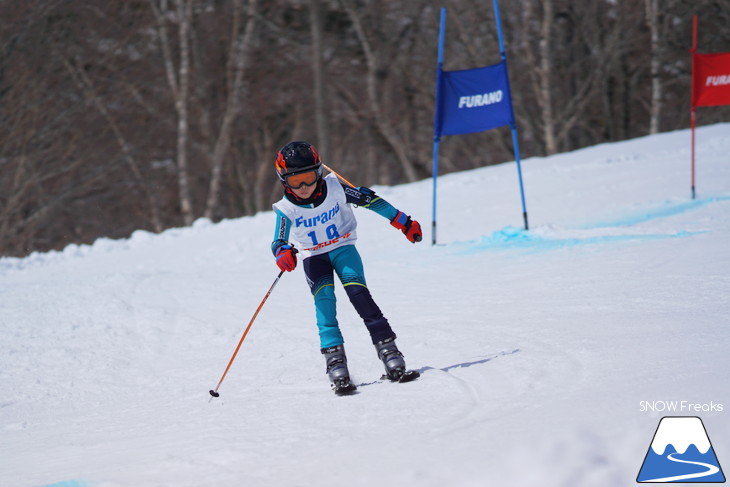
(328, 225)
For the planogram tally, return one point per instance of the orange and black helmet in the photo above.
(297, 164)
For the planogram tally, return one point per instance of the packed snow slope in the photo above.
(540, 351)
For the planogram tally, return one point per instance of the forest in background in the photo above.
(120, 115)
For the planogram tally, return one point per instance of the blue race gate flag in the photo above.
(473, 100)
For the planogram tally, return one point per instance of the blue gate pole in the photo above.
(513, 125)
(436, 122)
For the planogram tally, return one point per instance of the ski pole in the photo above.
(214, 392)
(338, 175)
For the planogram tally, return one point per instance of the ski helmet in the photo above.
(298, 164)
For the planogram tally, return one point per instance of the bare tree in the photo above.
(238, 60)
(375, 66)
(652, 19)
(541, 73)
(318, 91)
(86, 86)
(179, 82)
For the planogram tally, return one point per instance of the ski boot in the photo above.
(339, 376)
(395, 365)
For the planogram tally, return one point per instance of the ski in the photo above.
(408, 376)
(344, 387)
(348, 390)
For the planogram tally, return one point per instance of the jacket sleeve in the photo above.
(281, 233)
(367, 198)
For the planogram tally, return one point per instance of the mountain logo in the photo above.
(680, 452)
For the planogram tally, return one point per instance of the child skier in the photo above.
(316, 211)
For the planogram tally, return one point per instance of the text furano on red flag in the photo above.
(711, 80)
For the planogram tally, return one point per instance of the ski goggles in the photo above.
(304, 177)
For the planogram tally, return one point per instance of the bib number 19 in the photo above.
(331, 231)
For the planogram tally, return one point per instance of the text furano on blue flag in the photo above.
(474, 100)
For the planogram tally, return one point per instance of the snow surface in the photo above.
(538, 350)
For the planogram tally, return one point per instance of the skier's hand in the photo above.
(286, 258)
(410, 228)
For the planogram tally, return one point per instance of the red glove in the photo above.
(286, 258)
(410, 228)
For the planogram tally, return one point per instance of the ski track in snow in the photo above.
(535, 347)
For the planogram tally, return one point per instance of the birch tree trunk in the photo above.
(548, 118)
(320, 106)
(652, 19)
(180, 87)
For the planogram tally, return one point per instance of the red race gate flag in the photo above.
(711, 85)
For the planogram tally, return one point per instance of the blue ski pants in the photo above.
(346, 262)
